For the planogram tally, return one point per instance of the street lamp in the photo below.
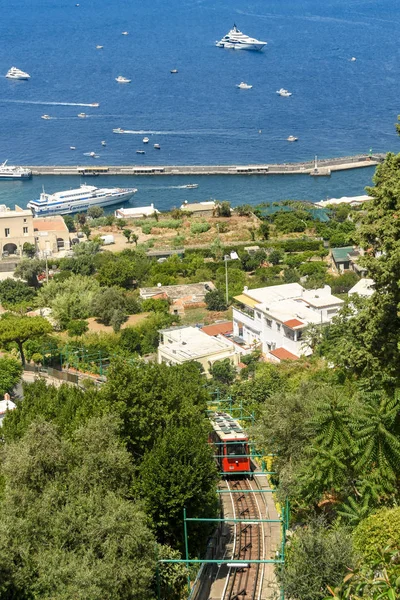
(233, 256)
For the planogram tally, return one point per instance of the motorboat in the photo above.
(72, 147)
(95, 104)
(191, 186)
(353, 59)
(244, 86)
(103, 143)
(125, 33)
(157, 146)
(121, 79)
(99, 47)
(284, 93)
(82, 115)
(15, 73)
(46, 117)
(146, 140)
(118, 130)
(239, 41)
(92, 154)
(292, 138)
(78, 200)
(13, 172)
(140, 152)
(173, 71)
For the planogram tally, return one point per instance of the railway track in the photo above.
(245, 583)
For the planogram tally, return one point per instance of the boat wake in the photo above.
(45, 103)
(173, 132)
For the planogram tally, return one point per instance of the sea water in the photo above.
(198, 116)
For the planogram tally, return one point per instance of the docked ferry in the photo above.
(79, 200)
(13, 172)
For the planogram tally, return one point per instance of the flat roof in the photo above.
(190, 343)
(364, 287)
(198, 290)
(55, 223)
(341, 254)
(227, 428)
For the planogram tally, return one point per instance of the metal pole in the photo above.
(47, 271)
(186, 547)
(226, 279)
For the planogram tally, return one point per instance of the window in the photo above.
(236, 449)
(7, 232)
(278, 326)
(268, 322)
(24, 220)
(25, 230)
(258, 315)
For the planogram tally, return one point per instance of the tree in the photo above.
(134, 238)
(215, 300)
(106, 303)
(118, 273)
(223, 209)
(244, 210)
(10, 374)
(117, 319)
(189, 481)
(223, 371)
(127, 234)
(53, 482)
(311, 337)
(14, 291)
(77, 328)
(29, 269)
(95, 212)
(29, 249)
(18, 329)
(130, 339)
(264, 230)
(86, 230)
(316, 557)
(81, 218)
(70, 223)
(275, 257)
(121, 223)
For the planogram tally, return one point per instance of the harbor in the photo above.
(316, 167)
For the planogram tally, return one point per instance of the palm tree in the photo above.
(376, 439)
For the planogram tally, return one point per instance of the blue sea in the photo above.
(198, 116)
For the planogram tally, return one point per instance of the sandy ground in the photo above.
(95, 326)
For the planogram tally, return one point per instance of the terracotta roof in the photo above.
(283, 354)
(218, 328)
(293, 323)
(55, 223)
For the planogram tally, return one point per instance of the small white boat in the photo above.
(353, 59)
(46, 117)
(121, 79)
(157, 146)
(292, 138)
(92, 154)
(15, 73)
(82, 115)
(118, 130)
(244, 86)
(99, 47)
(125, 33)
(284, 93)
(103, 143)
(146, 140)
(173, 71)
(140, 152)
(191, 186)
(72, 147)
(95, 104)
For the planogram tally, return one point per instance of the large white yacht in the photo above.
(80, 199)
(10, 172)
(239, 41)
(15, 73)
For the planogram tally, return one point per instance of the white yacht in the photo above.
(80, 199)
(72, 147)
(121, 79)
(353, 59)
(191, 186)
(95, 104)
(125, 32)
(157, 146)
(98, 47)
(118, 130)
(284, 93)
(103, 143)
(10, 172)
(146, 140)
(239, 41)
(244, 86)
(45, 117)
(292, 138)
(15, 73)
(82, 115)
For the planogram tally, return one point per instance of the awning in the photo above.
(246, 300)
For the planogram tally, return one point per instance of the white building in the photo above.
(276, 317)
(182, 344)
(364, 288)
(138, 212)
(6, 405)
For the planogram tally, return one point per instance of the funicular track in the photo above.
(245, 583)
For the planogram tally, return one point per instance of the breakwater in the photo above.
(322, 167)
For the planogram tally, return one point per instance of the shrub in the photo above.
(223, 209)
(13, 292)
(154, 305)
(95, 212)
(244, 210)
(199, 228)
(376, 532)
(215, 300)
(77, 328)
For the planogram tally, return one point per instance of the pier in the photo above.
(322, 167)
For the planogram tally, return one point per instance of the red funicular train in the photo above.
(230, 444)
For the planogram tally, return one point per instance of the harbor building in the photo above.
(275, 317)
(16, 229)
(183, 344)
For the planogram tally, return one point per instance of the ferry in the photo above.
(11, 172)
(237, 40)
(78, 200)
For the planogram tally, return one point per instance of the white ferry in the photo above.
(10, 172)
(237, 40)
(80, 199)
